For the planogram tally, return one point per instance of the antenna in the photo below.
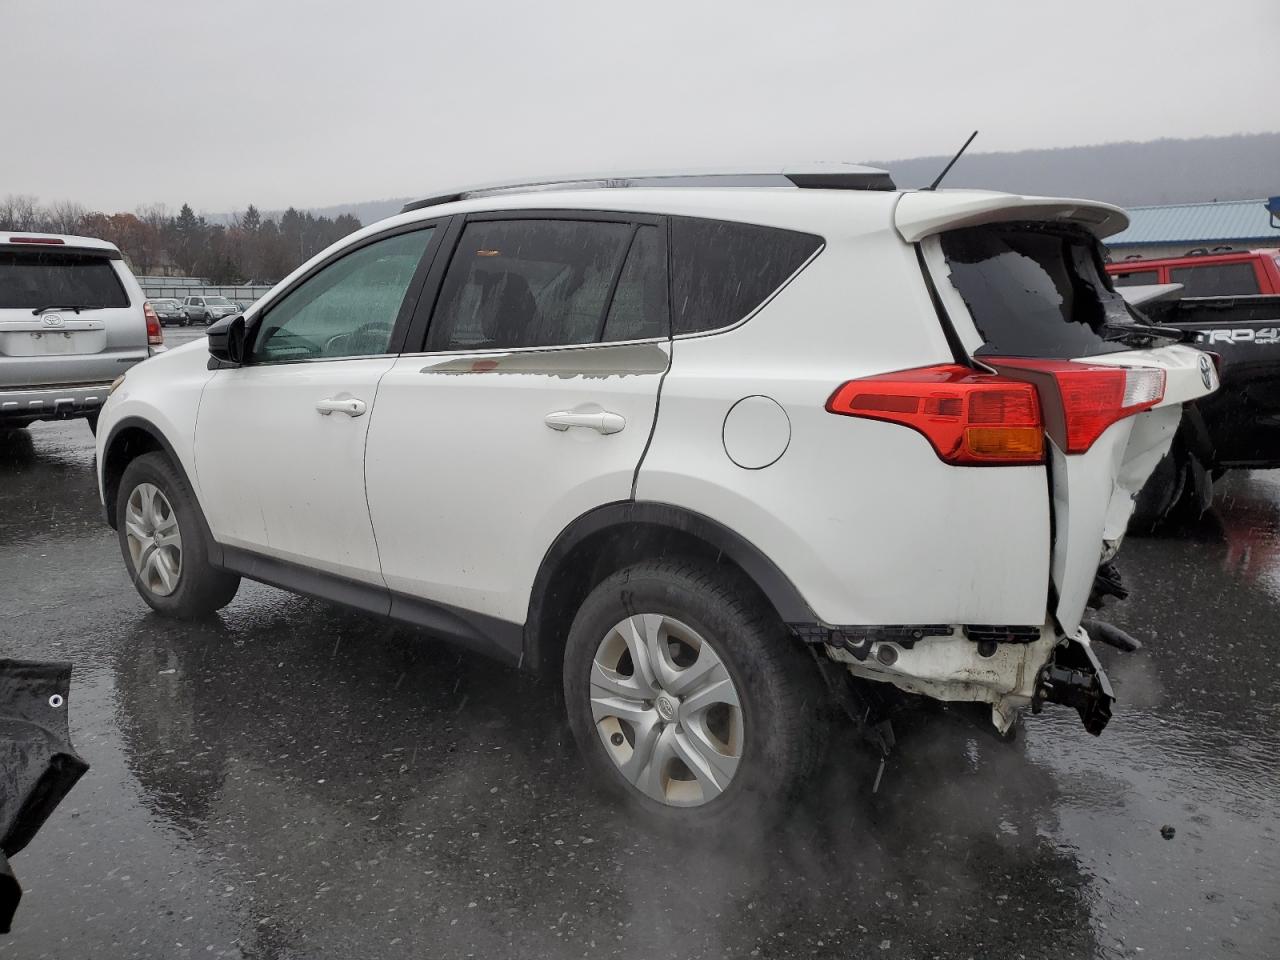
(947, 168)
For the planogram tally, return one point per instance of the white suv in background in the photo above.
(720, 450)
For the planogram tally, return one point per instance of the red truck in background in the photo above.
(1233, 274)
(1230, 304)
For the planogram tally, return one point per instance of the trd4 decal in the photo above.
(1244, 335)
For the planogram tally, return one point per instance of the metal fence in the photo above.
(156, 288)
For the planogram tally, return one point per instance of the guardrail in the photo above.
(155, 288)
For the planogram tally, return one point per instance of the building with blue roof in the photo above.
(1174, 230)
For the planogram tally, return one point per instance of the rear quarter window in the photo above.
(722, 271)
(41, 278)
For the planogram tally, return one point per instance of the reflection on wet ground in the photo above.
(295, 781)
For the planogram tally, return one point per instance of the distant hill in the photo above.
(1130, 174)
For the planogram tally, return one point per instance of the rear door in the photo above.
(67, 316)
(1030, 299)
(530, 405)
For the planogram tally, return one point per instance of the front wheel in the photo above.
(688, 698)
(163, 542)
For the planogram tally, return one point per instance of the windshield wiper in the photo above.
(1142, 332)
(77, 307)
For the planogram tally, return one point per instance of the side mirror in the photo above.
(229, 343)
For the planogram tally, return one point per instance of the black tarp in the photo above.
(38, 765)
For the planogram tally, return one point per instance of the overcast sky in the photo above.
(225, 102)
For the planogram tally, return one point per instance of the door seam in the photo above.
(364, 473)
(657, 407)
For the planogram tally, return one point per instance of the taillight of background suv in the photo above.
(155, 332)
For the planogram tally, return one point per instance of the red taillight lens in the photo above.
(1080, 399)
(155, 332)
(48, 240)
(970, 417)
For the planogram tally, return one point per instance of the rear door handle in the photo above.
(348, 405)
(601, 421)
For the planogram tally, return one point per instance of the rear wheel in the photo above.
(163, 542)
(688, 698)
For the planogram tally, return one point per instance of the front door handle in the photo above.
(601, 421)
(348, 405)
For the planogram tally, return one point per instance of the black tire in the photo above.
(201, 589)
(778, 687)
(92, 421)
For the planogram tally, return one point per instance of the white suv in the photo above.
(720, 450)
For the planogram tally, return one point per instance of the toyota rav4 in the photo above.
(721, 451)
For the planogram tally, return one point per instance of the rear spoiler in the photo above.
(922, 213)
(106, 253)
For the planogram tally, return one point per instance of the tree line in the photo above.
(249, 248)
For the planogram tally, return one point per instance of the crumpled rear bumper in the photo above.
(1008, 676)
(1073, 677)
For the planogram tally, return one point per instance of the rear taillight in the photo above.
(1081, 400)
(155, 332)
(47, 240)
(970, 417)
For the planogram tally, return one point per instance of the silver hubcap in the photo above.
(666, 710)
(155, 543)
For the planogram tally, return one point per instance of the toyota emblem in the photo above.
(52, 319)
(1206, 371)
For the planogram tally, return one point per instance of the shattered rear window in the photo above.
(1034, 292)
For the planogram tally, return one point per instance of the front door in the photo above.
(531, 405)
(280, 441)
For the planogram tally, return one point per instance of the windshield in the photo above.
(41, 278)
(218, 301)
(1034, 291)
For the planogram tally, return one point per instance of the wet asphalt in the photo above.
(293, 780)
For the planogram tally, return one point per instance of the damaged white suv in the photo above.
(721, 450)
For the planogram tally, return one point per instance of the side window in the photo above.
(1135, 278)
(1216, 279)
(348, 309)
(528, 283)
(639, 307)
(721, 271)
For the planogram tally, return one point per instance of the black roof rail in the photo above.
(833, 176)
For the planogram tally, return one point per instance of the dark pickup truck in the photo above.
(1236, 427)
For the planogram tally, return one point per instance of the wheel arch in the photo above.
(129, 439)
(617, 535)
